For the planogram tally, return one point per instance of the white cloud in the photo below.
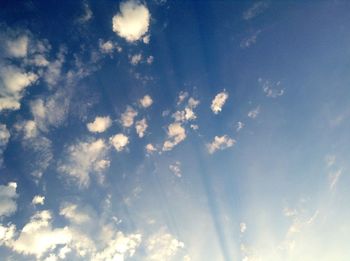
(119, 141)
(187, 114)
(240, 125)
(4, 139)
(14, 82)
(242, 227)
(271, 90)
(150, 59)
(182, 96)
(255, 10)
(18, 47)
(176, 134)
(254, 113)
(176, 169)
(38, 200)
(87, 15)
(141, 127)
(29, 129)
(135, 59)
(8, 196)
(100, 124)
(106, 47)
(84, 158)
(218, 102)
(162, 246)
(127, 117)
(74, 214)
(220, 143)
(132, 22)
(150, 148)
(146, 101)
(38, 237)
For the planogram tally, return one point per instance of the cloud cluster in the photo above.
(132, 22)
(220, 143)
(176, 134)
(176, 169)
(218, 102)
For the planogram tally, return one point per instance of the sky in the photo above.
(174, 130)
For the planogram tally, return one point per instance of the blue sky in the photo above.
(174, 130)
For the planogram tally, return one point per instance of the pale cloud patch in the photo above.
(176, 134)
(135, 59)
(220, 143)
(107, 47)
(182, 96)
(141, 127)
(18, 47)
(74, 214)
(87, 14)
(176, 169)
(127, 117)
(334, 177)
(119, 141)
(256, 9)
(132, 22)
(4, 139)
(271, 90)
(100, 124)
(38, 200)
(150, 148)
(254, 113)
(249, 41)
(83, 159)
(8, 196)
(330, 160)
(218, 102)
(150, 59)
(146, 101)
(242, 227)
(239, 126)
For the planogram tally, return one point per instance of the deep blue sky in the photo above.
(174, 130)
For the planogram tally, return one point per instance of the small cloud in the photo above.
(182, 96)
(255, 10)
(108, 47)
(4, 139)
(150, 148)
(146, 101)
(254, 113)
(146, 39)
(132, 22)
(220, 143)
(141, 127)
(8, 196)
(218, 102)
(150, 59)
(127, 117)
(176, 169)
(119, 141)
(251, 40)
(87, 15)
(242, 227)
(18, 47)
(239, 126)
(271, 90)
(334, 177)
(38, 200)
(135, 59)
(100, 124)
(176, 134)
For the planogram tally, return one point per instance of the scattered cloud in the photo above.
(176, 169)
(254, 113)
(218, 102)
(176, 134)
(256, 9)
(74, 214)
(271, 90)
(182, 96)
(239, 126)
(242, 227)
(100, 124)
(150, 148)
(17, 47)
(132, 22)
(107, 47)
(4, 139)
(251, 40)
(146, 101)
(220, 143)
(38, 200)
(84, 158)
(135, 59)
(141, 127)
(8, 196)
(127, 117)
(87, 15)
(119, 141)
(334, 177)
(150, 59)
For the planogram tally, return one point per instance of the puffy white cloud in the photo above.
(271, 90)
(38, 200)
(218, 102)
(17, 47)
(12, 85)
(119, 141)
(256, 9)
(135, 59)
(176, 134)
(176, 168)
(187, 114)
(100, 124)
(141, 127)
(38, 237)
(146, 101)
(127, 117)
(220, 143)
(8, 196)
(150, 148)
(106, 47)
(254, 113)
(162, 246)
(84, 158)
(132, 21)
(4, 139)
